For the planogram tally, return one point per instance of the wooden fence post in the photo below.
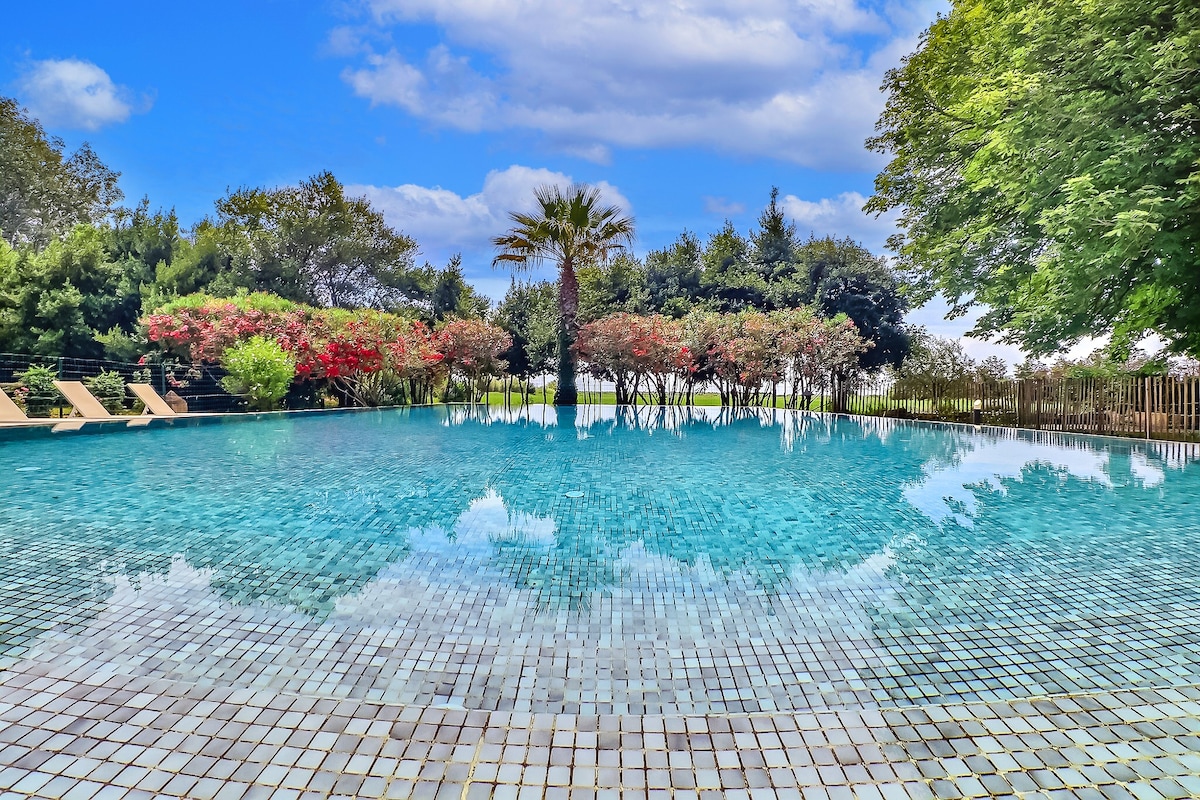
(1147, 393)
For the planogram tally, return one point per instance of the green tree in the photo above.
(451, 296)
(773, 245)
(674, 275)
(313, 244)
(56, 302)
(529, 314)
(992, 370)
(729, 278)
(571, 228)
(933, 365)
(843, 277)
(196, 264)
(1045, 160)
(44, 193)
(612, 287)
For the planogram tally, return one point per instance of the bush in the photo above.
(259, 369)
(109, 389)
(42, 396)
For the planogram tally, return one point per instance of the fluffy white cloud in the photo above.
(798, 81)
(71, 93)
(840, 216)
(443, 221)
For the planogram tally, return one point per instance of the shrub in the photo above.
(109, 389)
(259, 369)
(42, 396)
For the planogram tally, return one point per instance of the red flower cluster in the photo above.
(331, 343)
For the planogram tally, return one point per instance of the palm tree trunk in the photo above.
(568, 320)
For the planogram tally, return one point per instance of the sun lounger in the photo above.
(82, 401)
(10, 411)
(154, 403)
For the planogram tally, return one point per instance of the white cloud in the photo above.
(70, 93)
(797, 81)
(840, 216)
(443, 221)
(723, 207)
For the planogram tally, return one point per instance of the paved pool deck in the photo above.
(80, 732)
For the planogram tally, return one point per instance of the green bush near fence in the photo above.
(42, 396)
(260, 370)
(109, 388)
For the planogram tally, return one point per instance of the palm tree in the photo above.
(571, 228)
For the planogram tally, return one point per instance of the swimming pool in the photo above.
(605, 561)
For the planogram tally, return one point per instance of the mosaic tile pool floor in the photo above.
(672, 603)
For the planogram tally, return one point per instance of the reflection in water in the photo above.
(947, 489)
(750, 518)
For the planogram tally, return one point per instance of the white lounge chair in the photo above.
(154, 403)
(82, 401)
(10, 411)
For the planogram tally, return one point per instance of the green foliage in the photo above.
(120, 346)
(615, 286)
(529, 314)
(109, 388)
(933, 365)
(57, 301)
(1045, 160)
(992, 370)
(259, 369)
(843, 277)
(450, 296)
(43, 193)
(313, 244)
(42, 394)
(242, 301)
(1111, 361)
(773, 243)
(674, 276)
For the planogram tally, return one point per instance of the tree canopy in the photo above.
(1045, 160)
(43, 192)
(311, 243)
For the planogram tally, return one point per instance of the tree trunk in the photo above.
(566, 393)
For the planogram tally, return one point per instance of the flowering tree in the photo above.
(606, 347)
(748, 356)
(472, 348)
(365, 357)
(818, 353)
(635, 351)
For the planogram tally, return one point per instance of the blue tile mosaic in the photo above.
(610, 561)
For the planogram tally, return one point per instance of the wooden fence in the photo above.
(1158, 407)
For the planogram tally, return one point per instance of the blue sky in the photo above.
(447, 113)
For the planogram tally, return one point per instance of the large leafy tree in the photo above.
(730, 280)
(43, 192)
(312, 243)
(616, 286)
(843, 277)
(1045, 159)
(572, 228)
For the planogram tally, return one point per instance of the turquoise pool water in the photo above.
(606, 560)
